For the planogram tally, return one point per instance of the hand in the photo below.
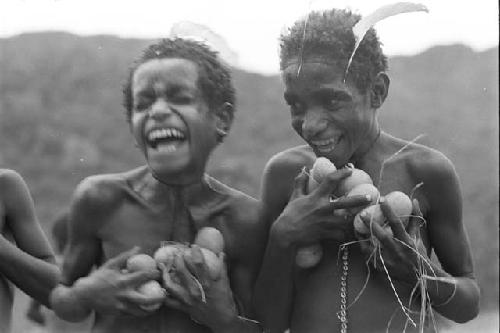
(110, 289)
(309, 217)
(402, 250)
(35, 313)
(208, 300)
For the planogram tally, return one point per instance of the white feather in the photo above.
(379, 14)
(203, 34)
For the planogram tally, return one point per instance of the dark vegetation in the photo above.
(61, 119)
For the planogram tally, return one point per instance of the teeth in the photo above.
(166, 148)
(165, 133)
(325, 146)
(323, 142)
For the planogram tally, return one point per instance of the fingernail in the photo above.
(381, 200)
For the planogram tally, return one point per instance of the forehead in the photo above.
(313, 75)
(167, 72)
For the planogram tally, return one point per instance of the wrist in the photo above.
(79, 292)
(227, 325)
(67, 304)
(281, 234)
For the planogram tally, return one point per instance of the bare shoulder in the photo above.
(100, 194)
(282, 168)
(290, 160)
(440, 193)
(13, 188)
(430, 165)
(10, 178)
(241, 206)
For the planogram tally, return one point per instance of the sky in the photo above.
(252, 27)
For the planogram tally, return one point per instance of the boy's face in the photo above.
(171, 120)
(333, 117)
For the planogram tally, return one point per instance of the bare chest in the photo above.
(372, 302)
(136, 225)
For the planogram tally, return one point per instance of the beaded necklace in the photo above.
(342, 313)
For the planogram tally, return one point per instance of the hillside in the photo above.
(61, 119)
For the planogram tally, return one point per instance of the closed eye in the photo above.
(293, 102)
(182, 99)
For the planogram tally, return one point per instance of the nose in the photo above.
(314, 123)
(160, 110)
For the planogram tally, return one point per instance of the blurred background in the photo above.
(61, 117)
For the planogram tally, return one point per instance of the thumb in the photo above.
(135, 279)
(416, 220)
(223, 272)
(300, 184)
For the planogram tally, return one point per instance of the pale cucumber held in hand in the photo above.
(357, 177)
(400, 204)
(152, 289)
(141, 262)
(210, 238)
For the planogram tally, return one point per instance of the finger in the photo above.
(300, 184)
(191, 285)
(332, 180)
(175, 291)
(133, 309)
(384, 236)
(195, 262)
(174, 303)
(350, 202)
(120, 260)
(223, 272)
(415, 220)
(133, 296)
(135, 279)
(366, 246)
(395, 223)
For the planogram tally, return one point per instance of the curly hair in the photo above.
(328, 35)
(214, 77)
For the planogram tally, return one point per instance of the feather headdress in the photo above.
(379, 14)
(203, 34)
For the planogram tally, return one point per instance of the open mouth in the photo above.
(326, 146)
(166, 139)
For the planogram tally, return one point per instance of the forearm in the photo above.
(67, 304)
(456, 298)
(274, 287)
(34, 276)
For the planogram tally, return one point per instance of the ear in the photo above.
(379, 90)
(223, 119)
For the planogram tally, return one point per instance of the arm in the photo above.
(451, 287)
(451, 245)
(273, 294)
(106, 289)
(81, 254)
(30, 265)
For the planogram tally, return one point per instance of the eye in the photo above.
(294, 104)
(142, 103)
(182, 99)
(332, 104)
